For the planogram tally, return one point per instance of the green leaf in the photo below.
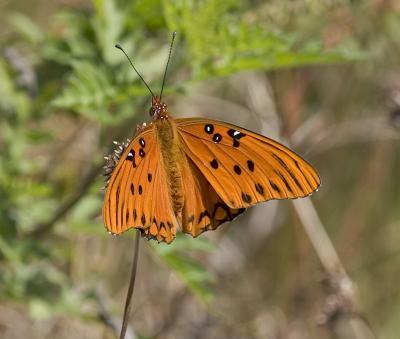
(222, 42)
(14, 103)
(26, 27)
(108, 25)
(89, 91)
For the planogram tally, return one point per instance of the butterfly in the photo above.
(196, 174)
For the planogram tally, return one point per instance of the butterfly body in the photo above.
(172, 160)
(196, 174)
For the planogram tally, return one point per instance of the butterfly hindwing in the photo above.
(244, 167)
(137, 193)
(203, 208)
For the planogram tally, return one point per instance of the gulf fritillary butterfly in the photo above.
(196, 174)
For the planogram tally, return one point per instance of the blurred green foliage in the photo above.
(71, 68)
(193, 274)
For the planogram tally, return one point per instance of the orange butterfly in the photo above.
(196, 174)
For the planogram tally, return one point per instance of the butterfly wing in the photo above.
(203, 208)
(244, 167)
(137, 193)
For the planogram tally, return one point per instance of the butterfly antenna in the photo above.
(166, 67)
(119, 47)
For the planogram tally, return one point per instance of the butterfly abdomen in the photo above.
(171, 156)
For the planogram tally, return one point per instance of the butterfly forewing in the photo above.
(244, 167)
(137, 193)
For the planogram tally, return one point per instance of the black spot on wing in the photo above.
(296, 181)
(281, 162)
(250, 165)
(279, 174)
(237, 169)
(274, 186)
(209, 129)
(298, 166)
(286, 167)
(236, 136)
(131, 155)
(217, 137)
(304, 171)
(214, 163)
(246, 198)
(260, 188)
(117, 195)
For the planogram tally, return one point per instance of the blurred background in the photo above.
(322, 76)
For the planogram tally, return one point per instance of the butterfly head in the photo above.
(158, 108)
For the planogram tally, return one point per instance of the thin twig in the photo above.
(319, 238)
(343, 300)
(128, 302)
